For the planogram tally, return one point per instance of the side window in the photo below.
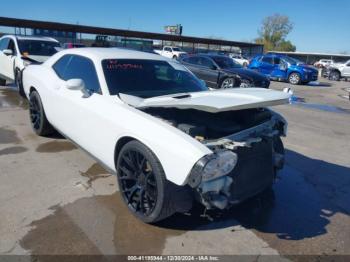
(4, 43)
(348, 64)
(203, 61)
(267, 59)
(277, 60)
(192, 60)
(167, 49)
(60, 66)
(83, 68)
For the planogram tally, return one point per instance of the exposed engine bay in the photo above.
(253, 135)
(209, 126)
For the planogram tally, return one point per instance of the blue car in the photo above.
(284, 68)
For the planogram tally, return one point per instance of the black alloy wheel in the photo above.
(38, 120)
(138, 183)
(35, 114)
(144, 187)
(18, 82)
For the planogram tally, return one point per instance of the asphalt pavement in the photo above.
(54, 199)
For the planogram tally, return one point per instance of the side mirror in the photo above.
(78, 84)
(7, 52)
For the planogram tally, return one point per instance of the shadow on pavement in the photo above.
(297, 207)
(319, 84)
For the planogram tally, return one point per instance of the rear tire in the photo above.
(38, 120)
(228, 82)
(294, 79)
(143, 185)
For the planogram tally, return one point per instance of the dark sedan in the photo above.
(220, 71)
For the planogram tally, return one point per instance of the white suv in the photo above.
(338, 71)
(16, 52)
(323, 63)
(239, 59)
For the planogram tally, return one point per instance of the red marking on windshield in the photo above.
(114, 65)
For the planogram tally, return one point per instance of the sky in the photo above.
(319, 25)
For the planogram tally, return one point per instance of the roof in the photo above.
(100, 53)
(34, 38)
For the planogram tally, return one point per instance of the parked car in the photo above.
(72, 45)
(337, 71)
(220, 71)
(284, 68)
(323, 63)
(16, 52)
(150, 121)
(239, 59)
(171, 52)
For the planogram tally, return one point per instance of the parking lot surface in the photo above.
(54, 199)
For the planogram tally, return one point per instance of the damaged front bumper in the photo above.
(259, 152)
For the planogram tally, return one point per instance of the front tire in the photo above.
(2, 82)
(334, 75)
(294, 79)
(38, 120)
(143, 185)
(19, 84)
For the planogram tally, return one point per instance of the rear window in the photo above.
(267, 59)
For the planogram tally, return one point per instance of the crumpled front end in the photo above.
(258, 153)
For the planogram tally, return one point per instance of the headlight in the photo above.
(212, 166)
(219, 165)
(307, 70)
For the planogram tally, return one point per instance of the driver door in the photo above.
(346, 70)
(168, 52)
(208, 71)
(77, 117)
(7, 61)
(266, 65)
(280, 68)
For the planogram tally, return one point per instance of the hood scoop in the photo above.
(213, 101)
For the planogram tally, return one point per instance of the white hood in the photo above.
(214, 101)
(38, 58)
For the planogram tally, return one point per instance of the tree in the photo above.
(273, 32)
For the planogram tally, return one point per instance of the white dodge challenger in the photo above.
(151, 122)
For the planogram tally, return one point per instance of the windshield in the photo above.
(291, 60)
(149, 78)
(38, 47)
(226, 62)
